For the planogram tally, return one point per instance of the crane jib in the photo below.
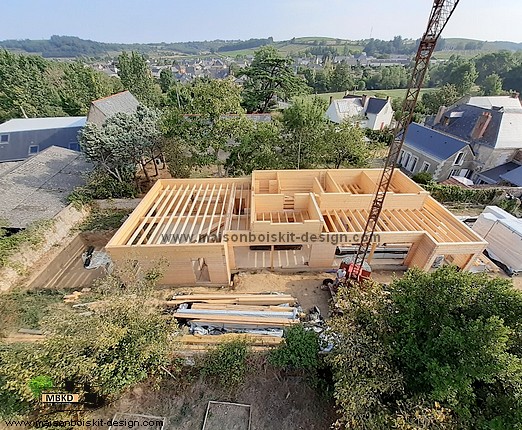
(440, 14)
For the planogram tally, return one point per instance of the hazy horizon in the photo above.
(134, 21)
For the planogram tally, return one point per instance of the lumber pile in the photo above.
(234, 299)
(214, 318)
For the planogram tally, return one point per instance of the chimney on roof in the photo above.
(515, 95)
(364, 101)
(438, 117)
(481, 126)
(331, 99)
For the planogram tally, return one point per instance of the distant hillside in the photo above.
(472, 44)
(71, 47)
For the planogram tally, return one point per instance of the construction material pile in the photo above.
(214, 318)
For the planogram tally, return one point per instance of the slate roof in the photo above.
(462, 119)
(513, 176)
(432, 142)
(376, 105)
(495, 174)
(122, 102)
(503, 131)
(37, 188)
(31, 124)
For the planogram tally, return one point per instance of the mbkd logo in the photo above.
(59, 398)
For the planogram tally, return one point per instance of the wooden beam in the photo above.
(220, 221)
(192, 206)
(144, 234)
(180, 200)
(185, 201)
(149, 213)
(208, 233)
(204, 219)
(196, 219)
(348, 221)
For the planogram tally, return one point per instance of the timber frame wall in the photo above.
(205, 229)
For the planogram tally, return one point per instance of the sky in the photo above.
(146, 21)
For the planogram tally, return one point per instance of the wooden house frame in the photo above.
(206, 229)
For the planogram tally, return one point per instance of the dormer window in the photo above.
(459, 159)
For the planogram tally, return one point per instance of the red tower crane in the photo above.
(440, 14)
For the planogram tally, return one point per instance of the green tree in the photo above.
(81, 85)
(457, 338)
(122, 143)
(122, 343)
(513, 79)
(444, 96)
(208, 118)
(443, 346)
(304, 123)
(492, 85)
(341, 78)
(137, 78)
(28, 86)
(498, 63)
(270, 77)
(166, 79)
(344, 146)
(258, 148)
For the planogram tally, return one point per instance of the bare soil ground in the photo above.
(277, 402)
(227, 416)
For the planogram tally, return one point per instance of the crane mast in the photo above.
(440, 14)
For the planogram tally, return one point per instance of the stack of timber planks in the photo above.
(215, 318)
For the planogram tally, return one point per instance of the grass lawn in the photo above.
(398, 93)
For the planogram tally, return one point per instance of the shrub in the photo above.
(227, 363)
(104, 219)
(39, 384)
(299, 350)
(422, 178)
(101, 186)
(456, 194)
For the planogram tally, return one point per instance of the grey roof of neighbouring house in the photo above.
(513, 176)
(376, 105)
(123, 102)
(432, 142)
(462, 120)
(495, 174)
(37, 188)
(31, 124)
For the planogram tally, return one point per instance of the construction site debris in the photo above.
(215, 318)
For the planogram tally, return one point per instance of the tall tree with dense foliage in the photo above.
(137, 78)
(122, 143)
(444, 96)
(270, 77)
(443, 346)
(258, 148)
(492, 85)
(28, 86)
(304, 125)
(345, 146)
(203, 117)
(82, 84)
